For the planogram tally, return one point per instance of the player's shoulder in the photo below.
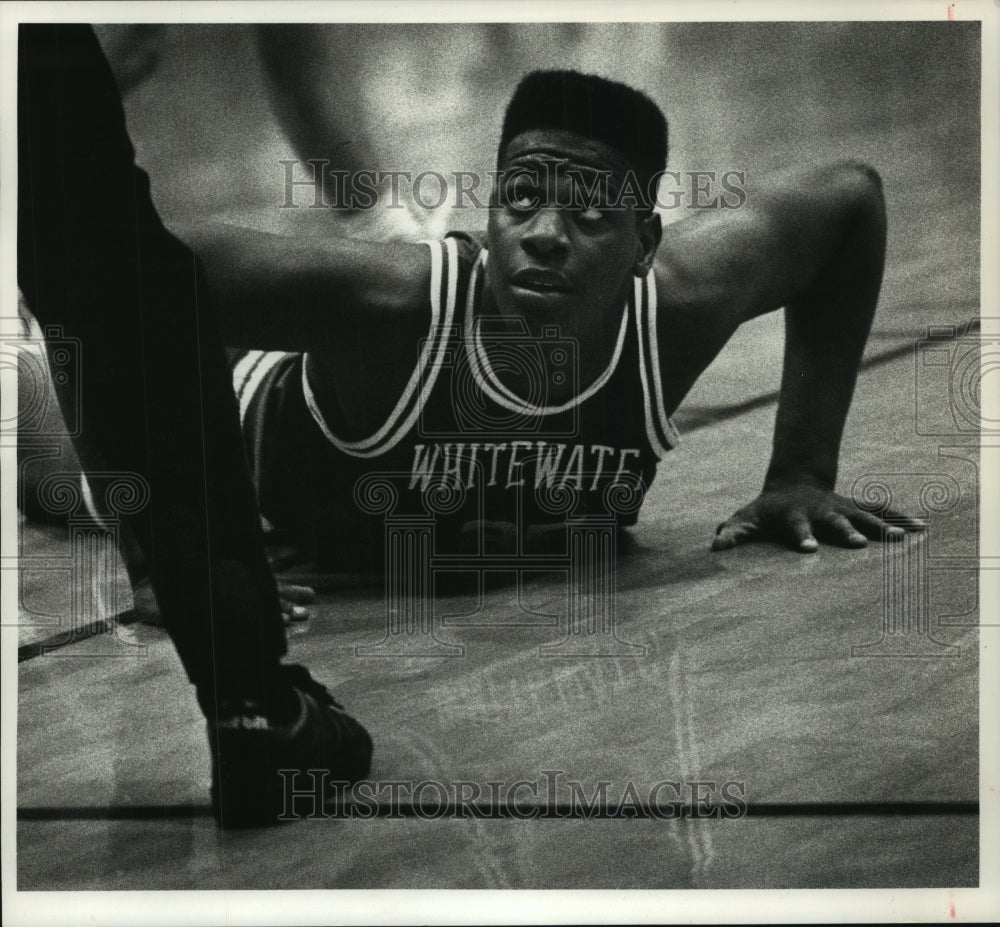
(403, 276)
(445, 269)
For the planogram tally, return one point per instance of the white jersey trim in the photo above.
(490, 384)
(242, 369)
(667, 426)
(249, 373)
(662, 440)
(647, 407)
(392, 432)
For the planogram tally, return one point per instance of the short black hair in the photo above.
(592, 106)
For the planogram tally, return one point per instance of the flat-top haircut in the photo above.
(592, 106)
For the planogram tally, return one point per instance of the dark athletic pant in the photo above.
(156, 395)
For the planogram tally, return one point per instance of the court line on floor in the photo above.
(480, 811)
(75, 635)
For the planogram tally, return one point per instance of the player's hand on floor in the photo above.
(294, 599)
(801, 516)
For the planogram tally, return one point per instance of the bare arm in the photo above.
(316, 85)
(274, 292)
(813, 241)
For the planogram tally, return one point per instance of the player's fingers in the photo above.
(303, 595)
(874, 528)
(291, 611)
(731, 533)
(906, 522)
(837, 529)
(800, 532)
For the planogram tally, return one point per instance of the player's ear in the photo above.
(650, 233)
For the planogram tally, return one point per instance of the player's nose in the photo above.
(545, 234)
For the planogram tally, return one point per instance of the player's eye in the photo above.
(589, 214)
(588, 207)
(523, 195)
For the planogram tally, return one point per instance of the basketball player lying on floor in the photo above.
(486, 378)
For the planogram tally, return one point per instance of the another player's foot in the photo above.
(249, 748)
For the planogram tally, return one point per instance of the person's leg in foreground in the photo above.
(157, 401)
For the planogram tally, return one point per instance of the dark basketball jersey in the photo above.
(460, 447)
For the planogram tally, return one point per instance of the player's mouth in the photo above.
(540, 285)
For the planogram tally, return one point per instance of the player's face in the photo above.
(561, 253)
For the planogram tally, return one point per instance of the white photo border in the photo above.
(446, 907)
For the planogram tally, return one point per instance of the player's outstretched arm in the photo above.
(813, 241)
(273, 292)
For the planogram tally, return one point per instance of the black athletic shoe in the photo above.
(248, 749)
